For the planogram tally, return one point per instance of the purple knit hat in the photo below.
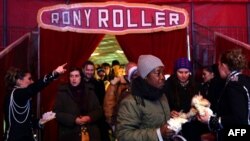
(183, 63)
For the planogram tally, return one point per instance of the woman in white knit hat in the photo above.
(142, 116)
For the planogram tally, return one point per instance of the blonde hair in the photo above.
(234, 59)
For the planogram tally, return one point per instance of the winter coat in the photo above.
(139, 117)
(67, 110)
(18, 111)
(180, 98)
(113, 96)
(234, 100)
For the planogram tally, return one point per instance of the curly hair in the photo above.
(234, 59)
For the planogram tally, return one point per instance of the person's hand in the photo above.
(82, 120)
(85, 119)
(166, 132)
(115, 81)
(192, 112)
(204, 118)
(174, 114)
(78, 121)
(60, 69)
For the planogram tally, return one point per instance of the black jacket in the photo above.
(233, 107)
(67, 109)
(18, 112)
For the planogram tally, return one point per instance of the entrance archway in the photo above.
(108, 50)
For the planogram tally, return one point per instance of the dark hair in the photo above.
(115, 62)
(208, 68)
(105, 64)
(12, 75)
(75, 69)
(212, 69)
(234, 59)
(87, 63)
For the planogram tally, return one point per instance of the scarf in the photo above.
(142, 90)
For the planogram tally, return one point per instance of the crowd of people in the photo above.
(134, 104)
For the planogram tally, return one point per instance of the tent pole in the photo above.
(38, 106)
(188, 45)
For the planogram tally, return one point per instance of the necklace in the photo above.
(14, 111)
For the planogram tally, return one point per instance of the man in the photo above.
(88, 69)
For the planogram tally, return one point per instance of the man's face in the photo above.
(89, 71)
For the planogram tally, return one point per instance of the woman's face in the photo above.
(75, 78)
(25, 81)
(223, 70)
(183, 74)
(206, 75)
(156, 77)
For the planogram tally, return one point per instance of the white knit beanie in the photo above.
(131, 72)
(146, 63)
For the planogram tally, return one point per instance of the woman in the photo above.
(212, 85)
(210, 89)
(77, 107)
(17, 105)
(233, 103)
(180, 89)
(143, 115)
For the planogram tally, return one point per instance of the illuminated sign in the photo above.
(112, 18)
